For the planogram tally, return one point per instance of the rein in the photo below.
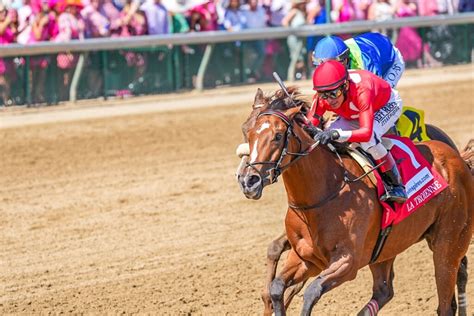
(346, 181)
(278, 169)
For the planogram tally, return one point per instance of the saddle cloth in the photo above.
(421, 181)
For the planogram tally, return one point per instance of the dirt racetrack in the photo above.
(141, 214)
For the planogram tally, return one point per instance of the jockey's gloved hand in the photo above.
(325, 137)
(311, 130)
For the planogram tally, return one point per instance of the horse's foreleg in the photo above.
(461, 283)
(382, 290)
(340, 270)
(274, 251)
(294, 271)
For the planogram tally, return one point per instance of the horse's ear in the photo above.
(291, 112)
(259, 100)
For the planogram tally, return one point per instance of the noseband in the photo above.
(277, 169)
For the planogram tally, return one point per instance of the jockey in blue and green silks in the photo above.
(369, 51)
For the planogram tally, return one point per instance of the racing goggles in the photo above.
(331, 94)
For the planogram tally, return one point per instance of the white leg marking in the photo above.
(462, 299)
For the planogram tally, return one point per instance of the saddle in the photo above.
(364, 160)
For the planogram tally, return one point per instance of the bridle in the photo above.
(273, 173)
(277, 169)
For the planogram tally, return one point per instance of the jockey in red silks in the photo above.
(367, 107)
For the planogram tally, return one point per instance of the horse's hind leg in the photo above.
(274, 251)
(382, 290)
(447, 261)
(461, 283)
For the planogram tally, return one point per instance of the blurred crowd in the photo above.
(32, 21)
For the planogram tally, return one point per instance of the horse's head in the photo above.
(275, 140)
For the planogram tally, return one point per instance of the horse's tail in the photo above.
(467, 155)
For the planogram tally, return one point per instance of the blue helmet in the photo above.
(330, 47)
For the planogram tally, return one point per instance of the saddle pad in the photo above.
(421, 181)
(411, 124)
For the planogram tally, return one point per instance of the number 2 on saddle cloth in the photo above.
(411, 124)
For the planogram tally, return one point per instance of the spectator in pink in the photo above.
(427, 7)
(408, 41)
(204, 17)
(25, 22)
(8, 31)
(70, 23)
(71, 26)
(361, 9)
(342, 11)
(8, 28)
(44, 28)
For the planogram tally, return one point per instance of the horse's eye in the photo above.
(278, 137)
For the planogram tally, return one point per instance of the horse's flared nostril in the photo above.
(252, 180)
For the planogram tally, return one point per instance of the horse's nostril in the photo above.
(252, 180)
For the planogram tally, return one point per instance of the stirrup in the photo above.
(392, 196)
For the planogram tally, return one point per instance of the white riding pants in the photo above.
(384, 119)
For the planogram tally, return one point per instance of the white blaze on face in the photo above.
(254, 154)
(264, 126)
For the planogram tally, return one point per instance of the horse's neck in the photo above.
(313, 178)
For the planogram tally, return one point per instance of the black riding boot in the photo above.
(394, 189)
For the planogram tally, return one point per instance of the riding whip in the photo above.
(281, 84)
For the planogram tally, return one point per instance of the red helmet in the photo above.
(329, 75)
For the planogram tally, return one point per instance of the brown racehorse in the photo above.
(281, 244)
(335, 238)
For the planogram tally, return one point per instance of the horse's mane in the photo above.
(279, 101)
